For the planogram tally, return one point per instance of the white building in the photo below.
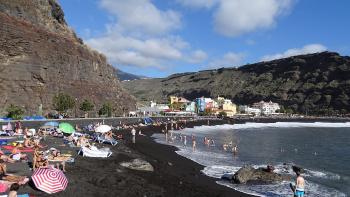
(250, 110)
(267, 108)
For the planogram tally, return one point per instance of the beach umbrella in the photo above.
(103, 129)
(66, 128)
(49, 180)
(51, 124)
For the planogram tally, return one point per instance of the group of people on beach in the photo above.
(170, 137)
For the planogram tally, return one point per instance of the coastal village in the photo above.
(219, 106)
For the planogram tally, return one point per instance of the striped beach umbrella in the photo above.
(49, 180)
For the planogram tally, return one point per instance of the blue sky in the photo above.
(157, 38)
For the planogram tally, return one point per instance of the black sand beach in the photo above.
(173, 175)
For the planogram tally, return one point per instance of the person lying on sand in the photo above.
(83, 142)
(5, 157)
(28, 143)
(10, 178)
(17, 155)
(109, 135)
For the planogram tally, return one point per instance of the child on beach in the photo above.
(13, 190)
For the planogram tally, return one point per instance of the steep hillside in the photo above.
(41, 56)
(314, 84)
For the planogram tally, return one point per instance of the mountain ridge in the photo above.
(314, 83)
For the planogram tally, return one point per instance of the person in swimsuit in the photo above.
(299, 188)
(300, 185)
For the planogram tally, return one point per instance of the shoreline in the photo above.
(189, 180)
(232, 120)
(173, 174)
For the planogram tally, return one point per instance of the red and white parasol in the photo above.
(49, 180)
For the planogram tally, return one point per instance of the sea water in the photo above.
(322, 149)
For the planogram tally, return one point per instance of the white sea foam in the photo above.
(254, 125)
(269, 190)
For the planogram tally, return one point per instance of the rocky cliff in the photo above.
(41, 56)
(313, 84)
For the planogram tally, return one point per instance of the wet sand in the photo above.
(173, 175)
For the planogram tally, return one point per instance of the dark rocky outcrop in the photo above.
(41, 56)
(308, 84)
(248, 174)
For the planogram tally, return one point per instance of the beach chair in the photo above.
(95, 152)
(101, 139)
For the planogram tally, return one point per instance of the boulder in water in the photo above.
(261, 175)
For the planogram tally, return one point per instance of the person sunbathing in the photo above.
(10, 178)
(109, 135)
(28, 143)
(83, 142)
(56, 154)
(39, 161)
(6, 158)
(17, 155)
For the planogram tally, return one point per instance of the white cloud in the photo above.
(235, 17)
(142, 36)
(139, 52)
(197, 56)
(230, 59)
(142, 15)
(198, 3)
(307, 49)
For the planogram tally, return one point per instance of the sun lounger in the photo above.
(101, 139)
(95, 152)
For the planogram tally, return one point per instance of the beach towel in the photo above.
(61, 159)
(3, 187)
(19, 195)
(23, 149)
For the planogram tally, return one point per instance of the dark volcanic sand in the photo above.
(173, 175)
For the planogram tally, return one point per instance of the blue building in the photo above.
(200, 104)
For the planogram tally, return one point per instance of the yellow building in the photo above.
(227, 106)
(173, 99)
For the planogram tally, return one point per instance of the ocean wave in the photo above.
(253, 125)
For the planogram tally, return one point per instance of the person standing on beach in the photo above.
(193, 143)
(299, 188)
(133, 133)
